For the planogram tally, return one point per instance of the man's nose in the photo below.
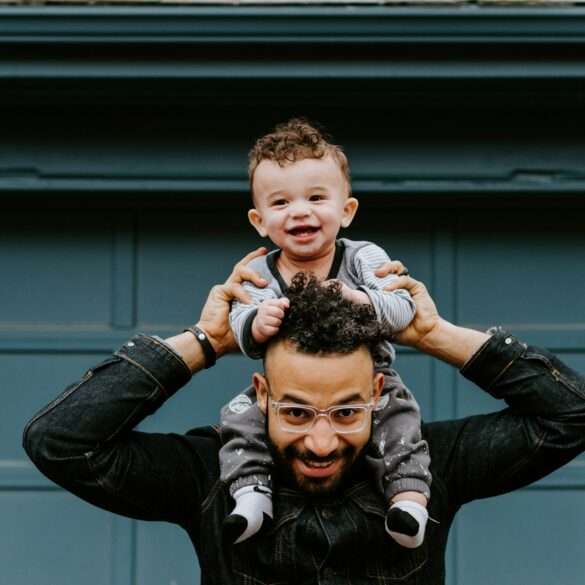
(321, 439)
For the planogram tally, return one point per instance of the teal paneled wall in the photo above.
(140, 270)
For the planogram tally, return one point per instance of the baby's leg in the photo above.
(245, 465)
(400, 459)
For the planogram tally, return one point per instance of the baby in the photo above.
(301, 193)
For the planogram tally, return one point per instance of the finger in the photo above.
(242, 273)
(406, 282)
(271, 321)
(270, 331)
(276, 312)
(234, 290)
(251, 255)
(393, 267)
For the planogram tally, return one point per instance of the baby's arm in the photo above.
(396, 309)
(243, 319)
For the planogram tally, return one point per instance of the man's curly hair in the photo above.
(292, 141)
(320, 321)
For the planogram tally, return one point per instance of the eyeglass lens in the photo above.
(343, 419)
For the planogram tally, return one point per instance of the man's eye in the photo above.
(347, 412)
(296, 412)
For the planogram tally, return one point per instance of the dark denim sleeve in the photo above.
(542, 428)
(84, 441)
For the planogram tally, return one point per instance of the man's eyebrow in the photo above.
(355, 397)
(295, 399)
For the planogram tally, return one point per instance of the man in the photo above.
(329, 521)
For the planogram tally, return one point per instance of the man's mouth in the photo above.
(312, 468)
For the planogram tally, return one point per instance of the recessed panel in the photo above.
(523, 267)
(533, 537)
(51, 537)
(55, 269)
(181, 256)
(165, 555)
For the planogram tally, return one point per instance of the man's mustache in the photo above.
(293, 452)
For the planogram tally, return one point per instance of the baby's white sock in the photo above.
(406, 522)
(252, 503)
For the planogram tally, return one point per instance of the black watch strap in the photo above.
(208, 351)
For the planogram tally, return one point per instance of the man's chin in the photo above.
(319, 480)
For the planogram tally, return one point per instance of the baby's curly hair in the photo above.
(321, 321)
(292, 141)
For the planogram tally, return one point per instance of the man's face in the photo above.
(302, 205)
(319, 459)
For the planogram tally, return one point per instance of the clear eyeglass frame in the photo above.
(363, 408)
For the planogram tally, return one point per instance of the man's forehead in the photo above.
(318, 378)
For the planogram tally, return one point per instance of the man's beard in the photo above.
(283, 465)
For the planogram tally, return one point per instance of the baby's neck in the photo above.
(288, 266)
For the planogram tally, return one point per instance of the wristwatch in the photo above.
(208, 351)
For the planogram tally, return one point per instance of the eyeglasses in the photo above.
(301, 418)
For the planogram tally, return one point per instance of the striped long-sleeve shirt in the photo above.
(354, 265)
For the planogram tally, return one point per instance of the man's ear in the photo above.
(261, 387)
(378, 385)
(255, 218)
(349, 210)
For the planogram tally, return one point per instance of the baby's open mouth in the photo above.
(303, 230)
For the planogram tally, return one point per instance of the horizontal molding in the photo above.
(84, 187)
(71, 68)
(291, 24)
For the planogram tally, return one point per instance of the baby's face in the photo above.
(301, 206)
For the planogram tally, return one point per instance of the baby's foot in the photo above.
(406, 522)
(253, 504)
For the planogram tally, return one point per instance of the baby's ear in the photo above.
(255, 218)
(349, 210)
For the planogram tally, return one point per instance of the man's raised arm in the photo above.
(543, 427)
(84, 439)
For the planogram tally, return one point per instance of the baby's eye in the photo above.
(316, 197)
(279, 202)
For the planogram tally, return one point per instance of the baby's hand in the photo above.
(268, 319)
(355, 296)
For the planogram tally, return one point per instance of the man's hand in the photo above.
(426, 319)
(214, 318)
(269, 319)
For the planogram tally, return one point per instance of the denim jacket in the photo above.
(84, 441)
